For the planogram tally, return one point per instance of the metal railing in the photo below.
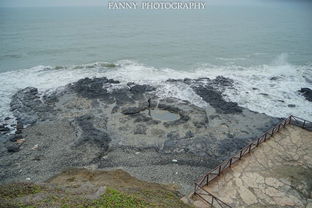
(214, 173)
(210, 198)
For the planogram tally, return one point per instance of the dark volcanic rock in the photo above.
(307, 93)
(132, 110)
(141, 118)
(27, 106)
(13, 148)
(140, 89)
(222, 81)
(122, 96)
(90, 134)
(169, 108)
(91, 88)
(4, 128)
(19, 125)
(16, 137)
(101, 123)
(215, 99)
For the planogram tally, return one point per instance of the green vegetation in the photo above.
(14, 190)
(115, 199)
(78, 189)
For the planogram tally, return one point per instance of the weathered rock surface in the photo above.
(107, 124)
(307, 93)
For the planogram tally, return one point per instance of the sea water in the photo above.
(264, 46)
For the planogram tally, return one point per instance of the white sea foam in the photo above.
(265, 88)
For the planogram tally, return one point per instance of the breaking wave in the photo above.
(271, 89)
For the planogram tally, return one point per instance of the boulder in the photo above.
(307, 93)
(13, 148)
(16, 137)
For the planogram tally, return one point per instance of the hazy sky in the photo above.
(49, 3)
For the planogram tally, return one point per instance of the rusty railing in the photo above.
(210, 198)
(214, 173)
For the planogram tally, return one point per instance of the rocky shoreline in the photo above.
(101, 123)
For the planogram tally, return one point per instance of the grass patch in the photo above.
(14, 190)
(115, 199)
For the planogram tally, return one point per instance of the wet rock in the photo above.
(132, 110)
(223, 81)
(91, 135)
(113, 81)
(50, 98)
(216, 100)
(121, 96)
(140, 89)
(27, 106)
(16, 137)
(7, 118)
(13, 148)
(264, 94)
(141, 118)
(169, 108)
(291, 105)
(19, 125)
(274, 78)
(307, 93)
(4, 128)
(115, 109)
(174, 80)
(18, 131)
(187, 81)
(91, 88)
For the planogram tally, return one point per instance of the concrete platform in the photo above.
(276, 174)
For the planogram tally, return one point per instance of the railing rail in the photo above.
(217, 171)
(210, 198)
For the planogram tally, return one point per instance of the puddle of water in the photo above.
(164, 115)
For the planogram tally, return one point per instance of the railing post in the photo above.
(249, 149)
(265, 136)
(304, 123)
(219, 171)
(231, 162)
(207, 179)
(240, 154)
(258, 140)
